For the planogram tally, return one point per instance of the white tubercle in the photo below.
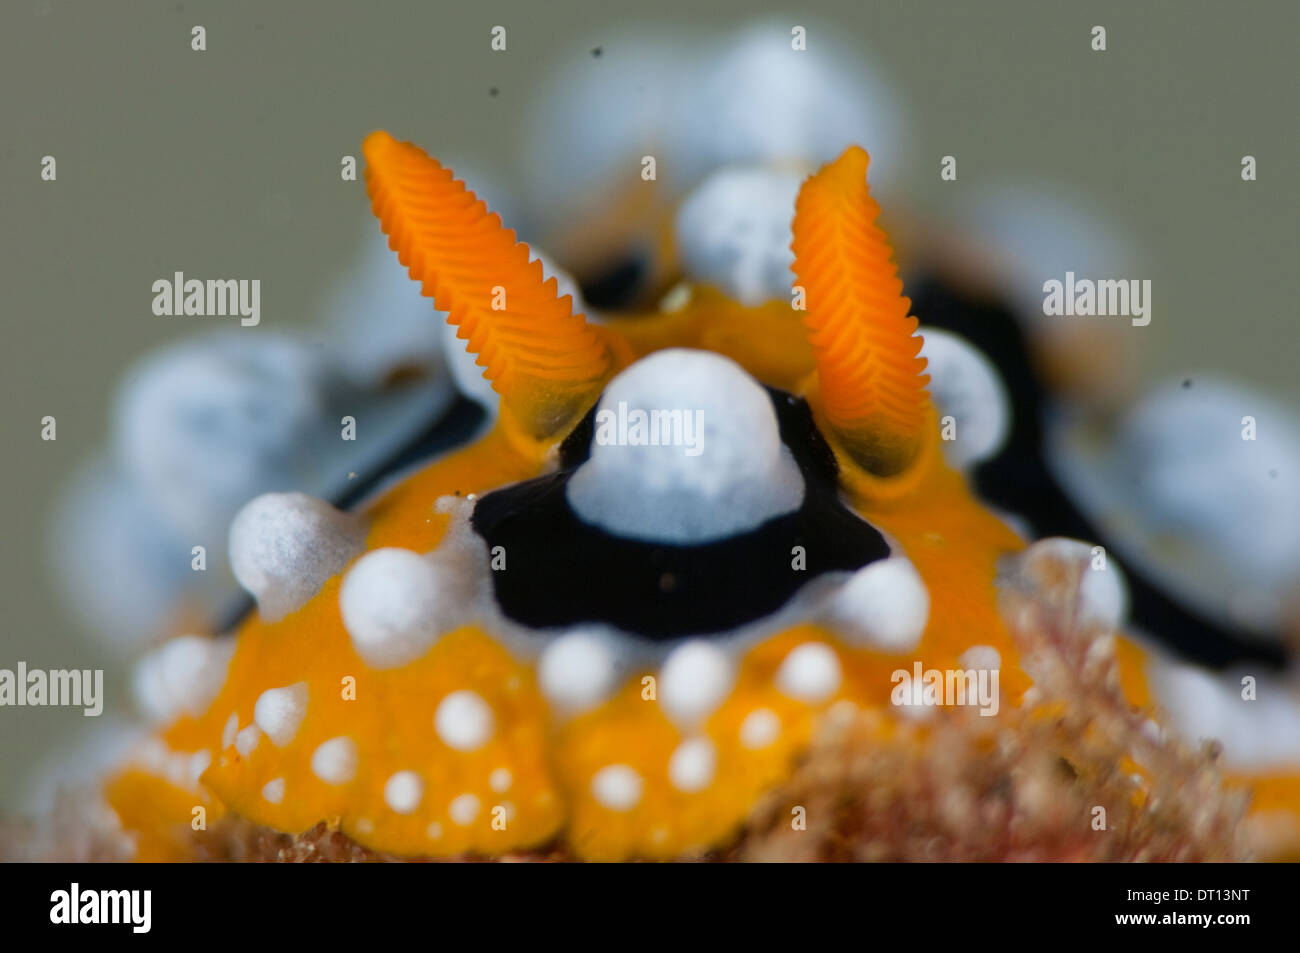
(686, 450)
(966, 386)
(1103, 592)
(1039, 230)
(204, 425)
(181, 677)
(199, 762)
(230, 731)
(1184, 455)
(979, 657)
(464, 721)
(810, 673)
(279, 712)
(335, 761)
(463, 809)
(884, 605)
(273, 790)
(1259, 733)
(395, 604)
(695, 679)
(760, 728)
(246, 739)
(404, 791)
(757, 96)
(617, 787)
(734, 233)
(586, 122)
(577, 671)
(283, 546)
(693, 765)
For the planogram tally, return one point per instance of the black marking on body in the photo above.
(1018, 480)
(619, 283)
(562, 571)
(452, 428)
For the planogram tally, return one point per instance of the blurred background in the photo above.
(226, 163)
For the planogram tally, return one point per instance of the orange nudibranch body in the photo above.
(393, 695)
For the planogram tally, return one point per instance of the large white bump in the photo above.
(1103, 592)
(758, 98)
(283, 546)
(204, 426)
(577, 671)
(965, 386)
(718, 470)
(696, 678)
(884, 605)
(734, 233)
(810, 673)
(1259, 734)
(1184, 455)
(182, 676)
(395, 604)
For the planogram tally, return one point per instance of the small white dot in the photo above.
(230, 731)
(335, 761)
(246, 741)
(434, 831)
(279, 712)
(692, 765)
(677, 298)
(199, 762)
(577, 671)
(617, 787)
(695, 679)
(810, 673)
(978, 657)
(463, 809)
(760, 728)
(273, 790)
(403, 791)
(464, 721)
(500, 780)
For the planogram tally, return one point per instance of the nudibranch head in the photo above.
(615, 619)
(660, 489)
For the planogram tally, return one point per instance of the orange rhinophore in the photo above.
(547, 363)
(870, 380)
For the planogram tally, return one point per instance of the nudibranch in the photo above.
(614, 620)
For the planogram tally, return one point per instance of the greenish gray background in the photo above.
(226, 163)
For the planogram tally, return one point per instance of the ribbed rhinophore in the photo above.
(546, 362)
(872, 384)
